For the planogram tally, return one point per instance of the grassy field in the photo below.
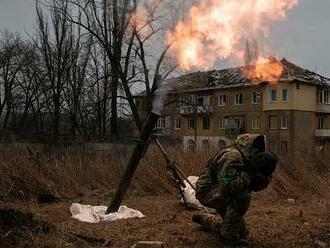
(294, 211)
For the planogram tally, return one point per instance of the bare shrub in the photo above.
(26, 175)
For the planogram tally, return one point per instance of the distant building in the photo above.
(211, 108)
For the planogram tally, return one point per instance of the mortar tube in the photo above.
(133, 162)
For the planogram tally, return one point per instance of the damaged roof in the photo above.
(236, 77)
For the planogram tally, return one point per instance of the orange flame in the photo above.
(215, 28)
(269, 70)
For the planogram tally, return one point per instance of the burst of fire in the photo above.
(265, 70)
(214, 29)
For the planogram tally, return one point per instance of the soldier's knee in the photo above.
(241, 202)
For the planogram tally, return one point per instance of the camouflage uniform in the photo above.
(224, 184)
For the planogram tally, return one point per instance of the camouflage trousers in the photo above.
(233, 226)
(232, 211)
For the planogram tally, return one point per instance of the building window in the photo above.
(319, 96)
(285, 95)
(320, 124)
(206, 123)
(255, 123)
(223, 123)
(272, 95)
(200, 101)
(256, 97)
(222, 100)
(183, 101)
(178, 102)
(160, 122)
(191, 124)
(326, 96)
(305, 121)
(238, 98)
(323, 96)
(177, 124)
(284, 122)
(273, 122)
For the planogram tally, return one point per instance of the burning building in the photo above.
(209, 109)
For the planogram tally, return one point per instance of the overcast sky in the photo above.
(304, 38)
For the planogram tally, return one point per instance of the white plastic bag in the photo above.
(190, 198)
(96, 214)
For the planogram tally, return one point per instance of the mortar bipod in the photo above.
(175, 173)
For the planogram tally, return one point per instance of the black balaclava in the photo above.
(264, 163)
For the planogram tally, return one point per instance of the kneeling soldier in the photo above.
(227, 182)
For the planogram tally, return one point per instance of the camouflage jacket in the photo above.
(227, 170)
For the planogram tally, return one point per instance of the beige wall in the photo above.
(300, 108)
(301, 97)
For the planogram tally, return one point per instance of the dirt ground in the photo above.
(279, 223)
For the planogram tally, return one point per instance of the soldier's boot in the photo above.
(208, 222)
(233, 230)
(229, 238)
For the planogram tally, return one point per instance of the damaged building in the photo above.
(209, 109)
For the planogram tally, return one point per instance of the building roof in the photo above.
(236, 77)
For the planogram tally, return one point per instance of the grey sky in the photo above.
(303, 38)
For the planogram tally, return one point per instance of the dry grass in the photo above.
(89, 178)
(25, 175)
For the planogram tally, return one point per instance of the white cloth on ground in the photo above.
(96, 214)
(190, 198)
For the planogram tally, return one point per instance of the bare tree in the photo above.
(75, 88)
(110, 23)
(28, 99)
(56, 43)
(12, 60)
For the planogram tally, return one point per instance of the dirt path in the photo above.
(276, 224)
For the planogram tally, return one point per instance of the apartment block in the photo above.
(209, 109)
